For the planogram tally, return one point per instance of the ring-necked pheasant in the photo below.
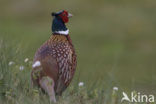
(55, 61)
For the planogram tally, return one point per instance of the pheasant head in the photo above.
(58, 23)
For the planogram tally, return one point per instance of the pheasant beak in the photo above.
(69, 15)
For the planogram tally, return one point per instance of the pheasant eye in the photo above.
(63, 14)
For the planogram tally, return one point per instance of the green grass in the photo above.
(114, 40)
(16, 87)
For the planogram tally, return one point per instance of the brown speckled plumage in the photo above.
(58, 61)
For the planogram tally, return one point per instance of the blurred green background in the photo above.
(115, 40)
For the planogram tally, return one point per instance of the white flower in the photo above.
(21, 68)
(36, 64)
(115, 88)
(26, 60)
(11, 63)
(81, 84)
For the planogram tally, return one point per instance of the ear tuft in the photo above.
(53, 14)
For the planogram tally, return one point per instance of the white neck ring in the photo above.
(66, 32)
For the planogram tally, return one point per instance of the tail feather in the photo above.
(47, 84)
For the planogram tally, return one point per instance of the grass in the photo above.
(114, 41)
(16, 89)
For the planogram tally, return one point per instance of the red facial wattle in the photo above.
(64, 16)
